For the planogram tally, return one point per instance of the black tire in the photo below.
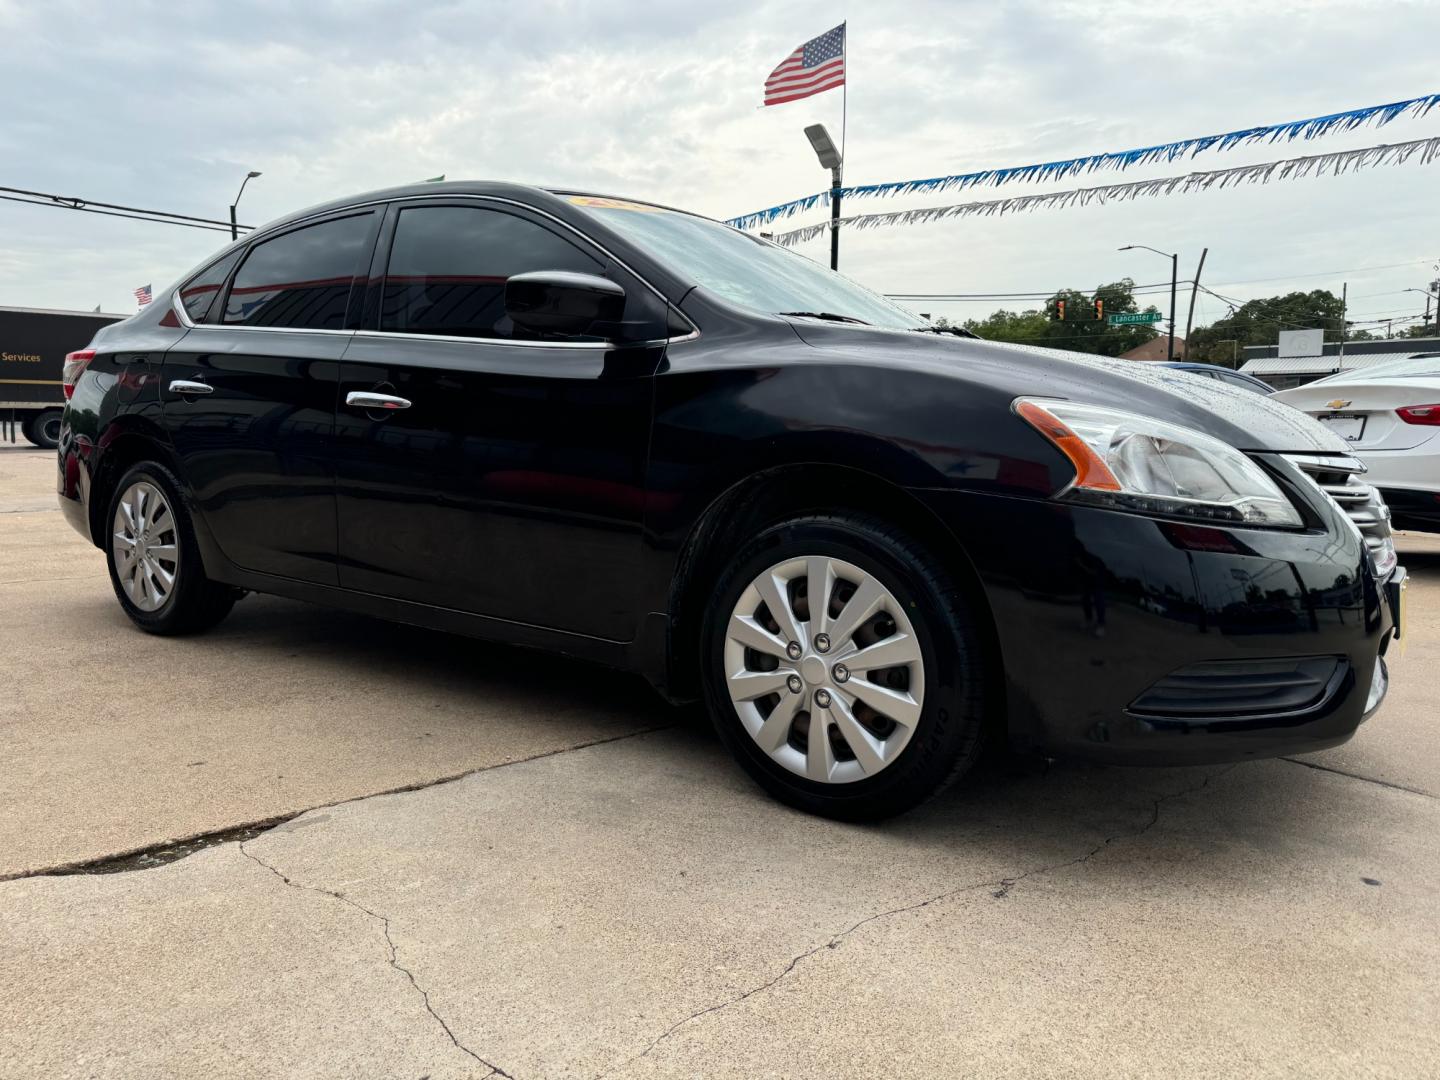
(948, 738)
(43, 428)
(195, 603)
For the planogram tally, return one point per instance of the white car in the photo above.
(1390, 414)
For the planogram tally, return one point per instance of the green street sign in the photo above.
(1134, 318)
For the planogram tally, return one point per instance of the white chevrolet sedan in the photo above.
(1390, 414)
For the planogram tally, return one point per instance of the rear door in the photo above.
(512, 484)
(249, 394)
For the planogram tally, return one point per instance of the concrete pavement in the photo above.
(636, 908)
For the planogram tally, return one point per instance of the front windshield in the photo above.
(744, 269)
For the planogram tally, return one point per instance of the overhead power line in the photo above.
(134, 213)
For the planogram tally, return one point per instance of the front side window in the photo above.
(198, 294)
(301, 280)
(448, 266)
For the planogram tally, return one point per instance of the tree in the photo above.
(1426, 329)
(1079, 331)
(1024, 327)
(1259, 322)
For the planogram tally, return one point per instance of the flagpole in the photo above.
(845, 90)
(839, 176)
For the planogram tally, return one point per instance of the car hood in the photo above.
(1245, 420)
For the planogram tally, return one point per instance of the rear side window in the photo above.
(199, 293)
(302, 279)
(448, 266)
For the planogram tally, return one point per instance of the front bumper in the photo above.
(1093, 608)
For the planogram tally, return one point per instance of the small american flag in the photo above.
(143, 295)
(816, 66)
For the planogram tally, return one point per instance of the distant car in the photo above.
(634, 435)
(1224, 375)
(1390, 415)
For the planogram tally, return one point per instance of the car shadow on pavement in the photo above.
(1016, 810)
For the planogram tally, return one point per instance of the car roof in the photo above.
(499, 188)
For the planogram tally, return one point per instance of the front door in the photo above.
(249, 398)
(510, 483)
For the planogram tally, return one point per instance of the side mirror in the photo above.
(559, 302)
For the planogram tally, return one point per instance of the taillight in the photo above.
(1420, 414)
(75, 364)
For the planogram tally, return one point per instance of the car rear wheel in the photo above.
(154, 562)
(843, 667)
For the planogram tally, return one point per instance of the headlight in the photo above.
(1132, 462)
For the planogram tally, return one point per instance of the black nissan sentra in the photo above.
(638, 436)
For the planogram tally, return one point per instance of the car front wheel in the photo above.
(843, 667)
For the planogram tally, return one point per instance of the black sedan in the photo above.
(639, 437)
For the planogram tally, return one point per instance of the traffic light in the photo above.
(1060, 310)
(1099, 310)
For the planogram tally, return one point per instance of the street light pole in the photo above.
(1174, 282)
(234, 227)
(829, 157)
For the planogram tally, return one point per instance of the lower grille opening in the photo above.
(1235, 689)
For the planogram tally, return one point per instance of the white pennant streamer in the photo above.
(1426, 150)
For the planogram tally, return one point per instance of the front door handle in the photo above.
(187, 386)
(363, 399)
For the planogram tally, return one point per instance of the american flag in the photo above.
(817, 65)
(143, 295)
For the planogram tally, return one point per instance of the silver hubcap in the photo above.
(145, 546)
(824, 669)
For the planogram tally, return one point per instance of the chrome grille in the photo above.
(1339, 479)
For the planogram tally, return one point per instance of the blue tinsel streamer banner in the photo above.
(1058, 170)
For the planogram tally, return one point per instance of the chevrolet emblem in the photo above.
(1336, 404)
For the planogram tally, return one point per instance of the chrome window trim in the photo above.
(179, 308)
(693, 333)
(389, 334)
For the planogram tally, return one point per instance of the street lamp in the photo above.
(1428, 297)
(235, 229)
(829, 159)
(1174, 276)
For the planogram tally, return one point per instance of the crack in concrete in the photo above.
(1363, 779)
(151, 856)
(1002, 887)
(384, 921)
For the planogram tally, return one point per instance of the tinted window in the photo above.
(198, 294)
(301, 279)
(448, 266)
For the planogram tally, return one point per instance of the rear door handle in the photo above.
(186, 386)
(362, 399)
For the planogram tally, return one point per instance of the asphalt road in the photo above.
(600, 893)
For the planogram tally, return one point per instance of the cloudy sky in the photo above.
(168, 105)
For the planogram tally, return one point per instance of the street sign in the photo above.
(1134, 318)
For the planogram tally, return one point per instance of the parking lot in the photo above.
(424, 856)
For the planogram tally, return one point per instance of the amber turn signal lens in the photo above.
(1090, 469)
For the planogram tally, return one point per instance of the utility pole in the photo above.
(1194, 288)
(1344, 298)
